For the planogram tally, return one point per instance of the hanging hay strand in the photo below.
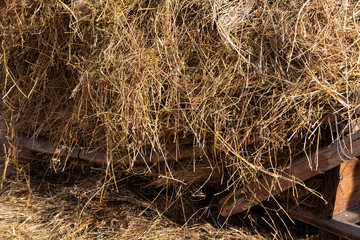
(255, 81)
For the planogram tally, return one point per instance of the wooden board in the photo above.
(328, 158)
(328, 190)
(348, 190)
(342, 229)
(101, 158)
(351, 215)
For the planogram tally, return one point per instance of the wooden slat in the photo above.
(100, 158)
(330, 183)
(348, 190)
(328, 158)
(351, 215)
(342, 229)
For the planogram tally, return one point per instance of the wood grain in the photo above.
(328, 158)
(348, 191)
(101, 158)
(346, 230)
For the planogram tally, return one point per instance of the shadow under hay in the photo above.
(37, 202)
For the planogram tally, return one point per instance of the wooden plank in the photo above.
(348, 191)
(328, 158)
(351, 215)
(328, 190)
(324, 209)
(343, 229)
(100, 158)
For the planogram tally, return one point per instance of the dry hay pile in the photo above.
(254, 81)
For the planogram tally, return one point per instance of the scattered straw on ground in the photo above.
(40, 204)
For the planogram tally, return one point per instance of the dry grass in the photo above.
(256, 81)
(37, 203)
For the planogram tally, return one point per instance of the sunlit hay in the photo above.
(256, 81)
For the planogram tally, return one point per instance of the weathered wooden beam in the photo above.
(350, 215)
(343, 229)
(101, 158)
(327, 158)
(348, 190)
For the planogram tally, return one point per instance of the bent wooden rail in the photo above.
(328, 158)
(98, 157)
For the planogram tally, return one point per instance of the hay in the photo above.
(255, 81)
(58, 206)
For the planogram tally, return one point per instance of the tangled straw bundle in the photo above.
(255, 81)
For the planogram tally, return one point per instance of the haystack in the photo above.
(254, 84)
